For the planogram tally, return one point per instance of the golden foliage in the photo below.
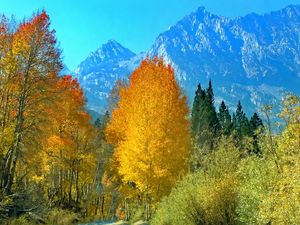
(150, 129)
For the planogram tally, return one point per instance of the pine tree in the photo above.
(241, 123)
(210, 94)
(212, 115)
(241, 127)
(256, 126)
(205, 124)
(234, 121)
(256, 122)
(101, 123)
(224, 119)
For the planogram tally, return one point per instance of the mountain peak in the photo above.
(292, 10)
(109, 51)
(112, 44)
(200, 13)
(294, 7)
(98, 73)
(201, 9)
(247, 57)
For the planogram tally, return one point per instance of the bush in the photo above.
(22, 220)
(137, 214)
(208, 196)
(257, 176)
(199, 200)
(181, 206)
(61, 217)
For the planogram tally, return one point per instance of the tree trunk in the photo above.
(70, 188)
(102, 206)
(18, 128)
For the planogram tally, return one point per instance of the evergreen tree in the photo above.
(212, 115)
(256, 122)
(256, 126)
(241, 122)
(241, 127)
(224, 119)
(205, 124)
(210, 94)
(196, 110)
(239, 116)
(234, 121)
(101, 123)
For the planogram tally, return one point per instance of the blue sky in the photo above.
(82, 26)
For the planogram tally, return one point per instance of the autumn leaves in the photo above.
(52, 155)
(45, 133)
(150, 130)
(48, 142)
(29, 62)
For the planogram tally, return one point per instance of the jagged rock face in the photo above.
(99, 71)
(255, 58)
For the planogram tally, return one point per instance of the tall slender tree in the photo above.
(241, 123)
(150, 130)
(34, 62)
(256, 126)
(205, 124)
(224, 118)
(197, 109)
(212, 115)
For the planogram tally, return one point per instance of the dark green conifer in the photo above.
(256, 126)
(224, 119)
(241, 123)
(205, 123)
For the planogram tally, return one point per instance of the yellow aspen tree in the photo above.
(150, 130)
(33, 61)
(282, 204)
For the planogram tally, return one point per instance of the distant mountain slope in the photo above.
(255, 58)
(99, 71)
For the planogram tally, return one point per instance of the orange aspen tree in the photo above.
(33, 61)
(150, 130)
(68, 158)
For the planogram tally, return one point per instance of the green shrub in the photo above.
(22, 220)
(61, 217)
(137, 214)
(209, 196)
